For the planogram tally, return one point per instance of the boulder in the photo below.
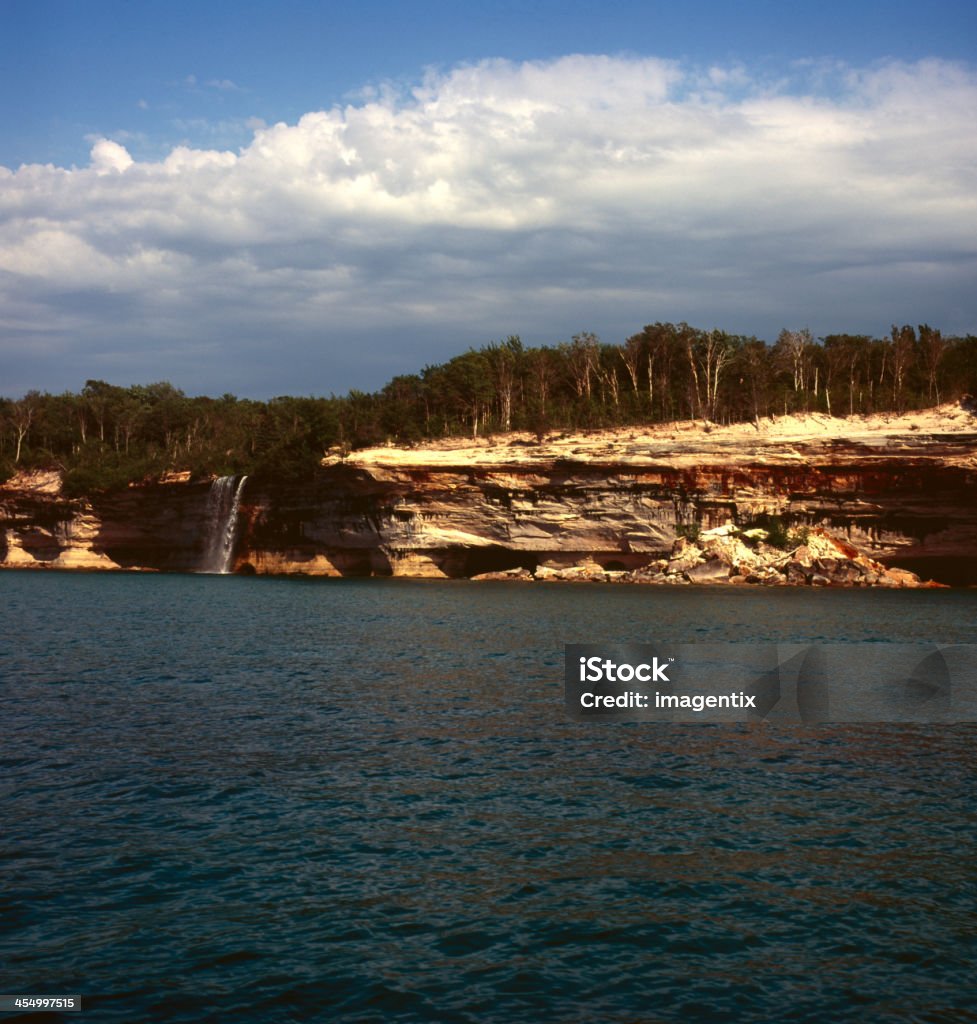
(903, 577)
(713, 571)
(796, 574)
(506, 574)
(685, 556)
(726, 530)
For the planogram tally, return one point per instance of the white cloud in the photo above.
(108, 156)
(506, 197)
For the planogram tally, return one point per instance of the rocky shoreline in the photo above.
(724, 556)
(805, 501)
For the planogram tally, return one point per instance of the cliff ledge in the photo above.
(866, 501)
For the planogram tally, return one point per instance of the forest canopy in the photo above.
(106, 436)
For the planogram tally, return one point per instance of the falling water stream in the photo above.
(222, 517)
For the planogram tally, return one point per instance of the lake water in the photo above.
(263, 800)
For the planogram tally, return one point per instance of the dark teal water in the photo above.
(262, 800)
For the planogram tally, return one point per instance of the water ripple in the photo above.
(274, 800)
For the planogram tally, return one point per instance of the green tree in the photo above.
(505, 364)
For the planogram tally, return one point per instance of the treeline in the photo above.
(106, 436)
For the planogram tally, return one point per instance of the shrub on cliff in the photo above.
(690, 531)
(113, 472)
(772, 527)
(797, 538)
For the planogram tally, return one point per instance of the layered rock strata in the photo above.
(901, 491)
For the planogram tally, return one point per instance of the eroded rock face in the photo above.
(158, 526)
(560, 510)
(611, 506)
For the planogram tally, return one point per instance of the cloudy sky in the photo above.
(302, 198)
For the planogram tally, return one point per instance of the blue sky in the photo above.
(307, 197)
(175, 71)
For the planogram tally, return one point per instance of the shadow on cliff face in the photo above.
(475, 561)
(953, 570)
(156, 526)
(370, 562)
(40, 545)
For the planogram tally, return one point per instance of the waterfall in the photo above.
(222, 509)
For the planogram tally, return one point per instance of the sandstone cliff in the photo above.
(903, 491)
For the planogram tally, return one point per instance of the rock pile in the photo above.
(728, 555)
